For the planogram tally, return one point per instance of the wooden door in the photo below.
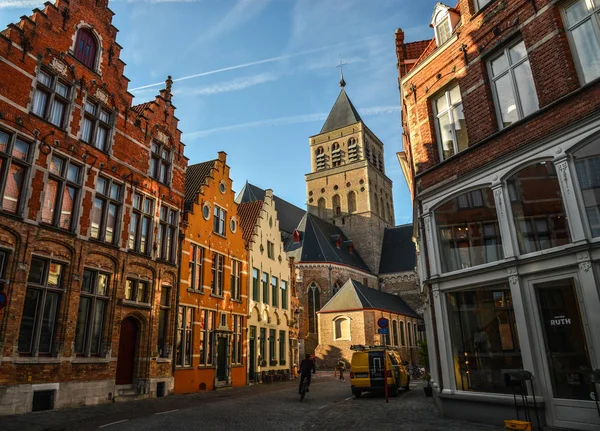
(127, 350)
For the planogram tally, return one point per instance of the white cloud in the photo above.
(242, 11)
(228, 86)
(283, 121)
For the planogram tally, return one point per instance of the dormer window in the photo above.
(86, 48)
(444, 21)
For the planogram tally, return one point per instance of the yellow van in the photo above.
(367, 369)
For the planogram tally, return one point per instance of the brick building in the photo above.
(90, 189)
(210, 348)
(269, 310)
(501, 119)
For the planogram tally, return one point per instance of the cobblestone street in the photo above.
(329, 406)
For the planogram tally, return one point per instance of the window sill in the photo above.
(237, 365)
(100, 242)
(200, 292)
(129, 303)
(32, 360)
(163, 360)
(239, 301)
(206, 367)
(90, 360)
(166, 262)
(213, 295)
(14, 216)
(57, 229)
(62, 129)
(140, 254)
(104, 152)
(180, 367)
(219, 235)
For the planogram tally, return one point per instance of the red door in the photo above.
(126, 358)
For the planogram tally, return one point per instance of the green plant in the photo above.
(423, 357)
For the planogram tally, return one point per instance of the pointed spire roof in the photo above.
(342, 114)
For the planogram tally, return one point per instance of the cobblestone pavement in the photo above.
(328, 406)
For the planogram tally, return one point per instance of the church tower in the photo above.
(347, 185)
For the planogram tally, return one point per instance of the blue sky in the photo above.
(266, 76)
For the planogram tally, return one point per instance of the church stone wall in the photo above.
(403, 284)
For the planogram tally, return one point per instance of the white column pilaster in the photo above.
(567, 188)
(503, 212)
(446, 364)
(432, 254)
(591, 299)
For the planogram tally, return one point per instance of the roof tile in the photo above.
(248, 212)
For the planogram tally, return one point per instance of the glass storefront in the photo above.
(587, 166)
(485, 344)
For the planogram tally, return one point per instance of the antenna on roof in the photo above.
(341, 66)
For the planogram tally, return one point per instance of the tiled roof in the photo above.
(248, 213)
(195, 176)
(321, 241)
(342, 114)
(353, 295)
(413, 50)
(141, 107)
(398, 252)
(288, 215)
(427, 52)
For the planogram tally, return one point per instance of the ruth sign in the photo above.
(560, 321)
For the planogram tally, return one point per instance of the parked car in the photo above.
(367, 370)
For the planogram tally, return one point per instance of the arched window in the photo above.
(86, 48)
(337, 207)
(341, 328)
(352, 150)
(320, 158)
(351, 202)
(468, 230)
(587, 165)
(321, 208)
(402, 335)
(314, 305)
(376, 202)
(367, 152)
(336, 287)
(336, 155)
(395, 332)
(380, 162)
(409, 330)
(537, 208)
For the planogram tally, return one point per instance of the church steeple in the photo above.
(342, 114)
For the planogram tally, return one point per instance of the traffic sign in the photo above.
(382, 322)
(3, 300)
(383, 331)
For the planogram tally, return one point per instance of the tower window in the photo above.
(380, 162)
(320, 158)
(352, 150)
(337, 208)
(86, 48)
(351, 202)
(336, 154)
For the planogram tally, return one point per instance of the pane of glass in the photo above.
(447, 137)
(165, 154)
(50, 191)
(132, 231)
(91, 108)
(4, 138)
(162, 175)
(87, 285)
(54, 274)
(499, 65)
(62, 89)
(137, 201)
(506, 99)
(57, 112)
(48, 322)
(30, 309)
(102, 287)
(96, 342)
(154, 168)
(101, 185)
(148, 206)
(39, 103)
(587, 164)
(144, 235)
(443, 29)
(104, 116)
(587, 46)
(20, 150)
(517, 52)
(73, 173)
(56, 166)
(484, 338)
(115, 192)
(13, 188)
(111, 223)
(101, 138)
(80, 328)
(441, 104)
(577, 11)
(455, 95)
(44, 78)
(129, 289)
(565, 341)
(173, 217)
(141, 292)
(526, 89)
(163, 213)
(68, 203)
(164, 295)
(154, 148)
(460, 127)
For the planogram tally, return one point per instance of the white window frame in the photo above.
(343, 320)
(594, 18)
(438, 36)
(450, 107)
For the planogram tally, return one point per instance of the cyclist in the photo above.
(306, 366)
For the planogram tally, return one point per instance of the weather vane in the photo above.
(341, 66)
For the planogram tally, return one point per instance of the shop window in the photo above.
(485, 343)
(587, 165)
(402, 334)
(395, 332)
(341, 329)
(61, 194)
(51, 99)
(582, 24)
(45, 287)
(92, 311)
(86, 48)
(282, 350)
(450, 122)
(512, 84)
(272, 341)
(468, 230)
(238, 340)
(537, 208)
(184, 344)
(15, 163)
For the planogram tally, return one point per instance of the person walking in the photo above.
(341, 367)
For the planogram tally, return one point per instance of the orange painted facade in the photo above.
(210, 350)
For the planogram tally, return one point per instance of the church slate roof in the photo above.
(342, 114)
(353, 295)
(248, 212)
(321, 241)
(195, 176)
(398, 253)
(289, 215)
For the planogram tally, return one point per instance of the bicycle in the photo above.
(303, 387)
(415, 372)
